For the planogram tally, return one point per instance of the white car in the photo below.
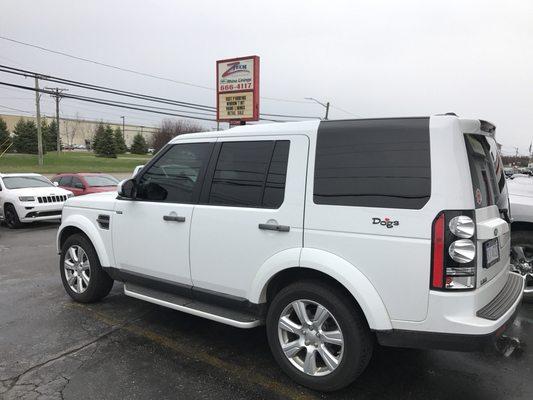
(333, 234)
(27, 198)
(521, 197)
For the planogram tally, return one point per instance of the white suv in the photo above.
(331, 233)
(28, 198)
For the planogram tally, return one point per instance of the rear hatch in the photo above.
(492, 206)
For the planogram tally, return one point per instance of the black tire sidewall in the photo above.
(99, 283)
(10, 209)
(357, 340)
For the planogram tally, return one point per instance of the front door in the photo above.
(251, 211)
(151, 232)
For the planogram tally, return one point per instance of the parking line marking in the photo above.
(243, 374)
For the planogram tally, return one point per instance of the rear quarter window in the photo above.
(373, 163)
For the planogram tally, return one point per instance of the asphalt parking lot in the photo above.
(53, 348)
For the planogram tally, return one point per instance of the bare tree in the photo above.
(172, 128)
(72, 127)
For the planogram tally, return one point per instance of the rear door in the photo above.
(491, 202)
(251, 209)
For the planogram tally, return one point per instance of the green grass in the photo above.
(70, 161)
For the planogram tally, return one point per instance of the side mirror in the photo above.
(136, 170)
(126, 189)
(79, 185)
(56, 183)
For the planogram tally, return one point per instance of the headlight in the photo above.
(462, 251)
(27, 198)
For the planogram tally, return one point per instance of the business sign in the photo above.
(238, 89)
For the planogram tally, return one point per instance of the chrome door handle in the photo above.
(275, 227)
(173, 218)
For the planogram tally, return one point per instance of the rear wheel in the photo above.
(318, 337)
(11, 217)
(82, 275)
(522, 259)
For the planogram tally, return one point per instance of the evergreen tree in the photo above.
(106, 144)
(139, 145)
(97, 138)
(50, 138)
(120, 145)
(25, 137)
(5, 138)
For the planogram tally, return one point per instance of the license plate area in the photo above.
(491, 252)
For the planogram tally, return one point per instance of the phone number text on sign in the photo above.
(235, 86)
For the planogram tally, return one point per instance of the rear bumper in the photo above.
(485, 325)
(442, 341)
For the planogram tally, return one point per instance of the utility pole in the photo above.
(57, 96)
(326, 106)
(516, 154)
(39, 133)
(123, 131)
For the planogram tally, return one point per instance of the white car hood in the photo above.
(98, 201)
(520, 186)
(41, 191)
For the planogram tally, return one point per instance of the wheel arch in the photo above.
(82, 225)
(321, 265)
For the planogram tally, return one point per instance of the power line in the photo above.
(15, 109)
(99, 88)
(145, 74)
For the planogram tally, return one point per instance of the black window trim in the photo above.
(201, 175)
(206, 188)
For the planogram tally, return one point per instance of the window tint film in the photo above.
(176, 176)
(65, 181)
(250, 174)
(277, 173)
(484, 184)
(373, 163)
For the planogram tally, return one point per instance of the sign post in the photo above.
(238, 90)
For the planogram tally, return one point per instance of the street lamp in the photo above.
(326, 106)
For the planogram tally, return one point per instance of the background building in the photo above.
(75, 132)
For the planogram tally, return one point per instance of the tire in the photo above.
(525, 239)
(88, 283)
(352, 356)
(11, 217)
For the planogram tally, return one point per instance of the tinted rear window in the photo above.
(373, 163)
(484, 183)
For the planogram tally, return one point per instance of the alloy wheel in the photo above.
(310, 337)
(522, 260)
(77, 269)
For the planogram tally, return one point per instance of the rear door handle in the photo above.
(173, 218)
(275, 227)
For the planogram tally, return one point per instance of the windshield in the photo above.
(486, 169)
(101, 180)
(20, 182)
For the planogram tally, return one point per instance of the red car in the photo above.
(85, 183)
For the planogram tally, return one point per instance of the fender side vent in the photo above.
(103, 221)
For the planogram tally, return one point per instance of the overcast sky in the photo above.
(368, 58)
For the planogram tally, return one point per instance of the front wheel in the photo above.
(82, 275)
(522, 259)
(11, 217)
(318, 336)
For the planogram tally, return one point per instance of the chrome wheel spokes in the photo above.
(77, 269)
(310, 337)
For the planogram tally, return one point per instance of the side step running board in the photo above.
(194, 307)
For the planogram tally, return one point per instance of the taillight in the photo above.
(453, 251)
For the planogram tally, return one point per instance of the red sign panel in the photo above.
(238, 89)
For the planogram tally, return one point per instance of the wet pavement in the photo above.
(53, 348)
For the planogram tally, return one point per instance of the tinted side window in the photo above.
(65, 181)
(176, 177)
(76, 182)
(482, 171)
(250, 174)
(373, 163)
(277, 173)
